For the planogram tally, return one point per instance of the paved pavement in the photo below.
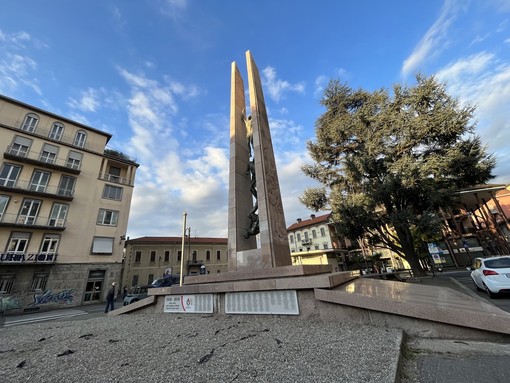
(456, 361)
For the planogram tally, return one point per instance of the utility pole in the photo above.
(182, 246)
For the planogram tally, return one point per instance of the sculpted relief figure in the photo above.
(252, 215)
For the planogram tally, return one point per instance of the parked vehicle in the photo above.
(492, 275)
(167, 280)
(137, 293)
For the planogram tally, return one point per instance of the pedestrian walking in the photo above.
(110, 298)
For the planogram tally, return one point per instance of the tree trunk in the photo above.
(406, 242)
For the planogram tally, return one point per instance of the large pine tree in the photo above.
(388, 162)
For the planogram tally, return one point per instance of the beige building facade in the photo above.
(64, 208)
(149, 258)
(312, 242)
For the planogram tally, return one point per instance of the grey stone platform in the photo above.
(419, 310)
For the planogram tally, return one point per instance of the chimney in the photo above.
(299, 220)
(312, 216)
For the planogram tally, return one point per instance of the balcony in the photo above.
(306, 242)
(114, 179)
(35, 158)
(31, 222)
(29, 188)
(43, 131)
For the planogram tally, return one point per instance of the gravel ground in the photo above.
(193, 348)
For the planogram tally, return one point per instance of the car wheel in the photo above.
(490, 293)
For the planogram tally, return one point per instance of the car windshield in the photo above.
(499, 263)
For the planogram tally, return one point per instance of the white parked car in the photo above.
(492, 274)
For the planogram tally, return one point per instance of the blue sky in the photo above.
(156, 75)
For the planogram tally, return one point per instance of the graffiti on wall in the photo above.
(65, 295)
(9, 302)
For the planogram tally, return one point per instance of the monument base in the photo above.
(243, 275)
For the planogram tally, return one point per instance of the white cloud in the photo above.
(484, 80)
(173, 8)
(276, 87)
(88, 102)
(434, 39)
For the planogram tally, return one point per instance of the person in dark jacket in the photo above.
(110, 298)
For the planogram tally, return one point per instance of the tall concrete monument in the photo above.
(254, 203)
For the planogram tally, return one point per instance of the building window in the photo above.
(306, 236)
(20, 146)
(208, 255)
(56, 131)
(6, 283)
(102, 245)
(113, 174)
(39, 181)
(39, 282)
(218, 255)
(325, 245)
(134, 281)
(316, 247)
(179, 254)
(167, 255)
(50, 244)
(49, 154)
(112, 192)
(80, 138)
(18, 242)
(298, 237)
(291, 238)
(314, 233)
(323, 232)
(153, 255)
(107, 217)
(9, 175)
(30, 122)
(194, 255)
(58, 215)
(150, 279)
(66, 186)
(74, 160)
(138, 256)
(28, 212)
(4, 201)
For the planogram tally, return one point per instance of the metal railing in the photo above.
(18, 185)
(44, 131)
(38, 156)
(27, 220)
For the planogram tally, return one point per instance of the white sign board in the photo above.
(262, 302)
(192, 303)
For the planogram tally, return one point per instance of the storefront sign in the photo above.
(28, 258)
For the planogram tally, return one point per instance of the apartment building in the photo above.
(148, 258)
(313, 241)
(64, 208)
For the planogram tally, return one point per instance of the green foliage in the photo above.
(387, 163)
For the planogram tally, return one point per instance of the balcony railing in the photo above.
(27, 187)
(43, 131)
(21, 220)
(114, 179)
(39, 159)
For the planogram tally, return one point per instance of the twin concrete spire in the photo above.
(253, 182)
